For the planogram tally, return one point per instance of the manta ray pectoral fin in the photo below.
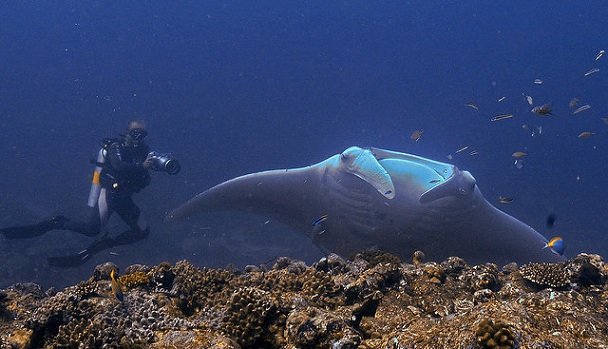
(461, 183)
(363, 164)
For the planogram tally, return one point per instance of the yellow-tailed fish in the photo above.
(518, 154)
(557, 245)
(116, 286)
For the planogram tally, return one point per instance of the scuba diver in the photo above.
(122, 169)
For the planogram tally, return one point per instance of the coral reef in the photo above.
(495, 334)
(544, 274)
(372, 300)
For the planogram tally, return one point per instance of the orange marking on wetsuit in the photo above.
(96, 177)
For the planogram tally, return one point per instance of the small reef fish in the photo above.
(416, 135)
(590, 72)
(502, 117)
(501, 99)
(580, 109)
(418, 258)
(600, 54)
(320, 220)
(116, 286)
(538, 81)
(543, 110)
(557, 245)
(605, 120)
(505, 200)
(585, 135)
(464, 148)
(573, 102)
(519, 154)
(528, 98)
(472, 105)
(551, 218)
(317, 225)
(474, 152)
(532, 132)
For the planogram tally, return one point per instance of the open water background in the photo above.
(242, 86)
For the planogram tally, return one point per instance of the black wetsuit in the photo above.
(122, 175)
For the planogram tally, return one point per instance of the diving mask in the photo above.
(138, 134)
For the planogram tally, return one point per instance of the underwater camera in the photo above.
(164, 162)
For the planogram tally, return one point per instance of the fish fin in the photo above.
(557, 253)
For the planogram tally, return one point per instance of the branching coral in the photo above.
(546, 274)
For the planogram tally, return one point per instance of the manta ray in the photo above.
(371, 198)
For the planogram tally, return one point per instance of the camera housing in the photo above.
(164, 162)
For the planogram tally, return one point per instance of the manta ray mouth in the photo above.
(460, 183)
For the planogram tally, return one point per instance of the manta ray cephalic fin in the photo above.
(460, 183)
(363, 164)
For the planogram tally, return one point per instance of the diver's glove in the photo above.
(30, 231)
(70, 261)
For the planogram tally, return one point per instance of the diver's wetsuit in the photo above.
(122, 175)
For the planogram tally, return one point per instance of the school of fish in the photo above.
(545, 110)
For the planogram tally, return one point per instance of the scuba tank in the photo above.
(95, 186)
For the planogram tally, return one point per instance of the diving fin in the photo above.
(83, 256)
(30, 231)
(70, 261)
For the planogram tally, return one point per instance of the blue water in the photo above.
(242, 86)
